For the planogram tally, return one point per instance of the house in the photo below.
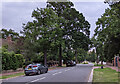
(8, 43)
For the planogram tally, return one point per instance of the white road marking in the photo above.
(67, 70)
(42, 78)
(35, 80)
(57, 73)
(38, 79)
(73, 67)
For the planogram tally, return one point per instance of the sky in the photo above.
(14, 14)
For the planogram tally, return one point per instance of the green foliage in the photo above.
(11, 76)
(10, 60)
(20, 60)
(57, 32)
(5, 61)
(107, 33)
(105, 75)
(38, 58)
(91, 56)
(5, 33)
(98, 65)
(82, 55)
(42, 32)
(14, 61)
(74, 25)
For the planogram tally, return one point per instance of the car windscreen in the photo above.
(29, 67)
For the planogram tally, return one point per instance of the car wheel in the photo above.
(26, 74)
(46, 71)
(39, 72)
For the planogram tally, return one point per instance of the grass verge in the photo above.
(84, 63)
(12, 75)
(98, 65)
(105, 75)
(64, 65)
(57, 67)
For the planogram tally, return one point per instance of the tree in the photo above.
(5, 33)
(73, 26)
(56, 29)
(41, 32)
(59, 8)
(107, 33)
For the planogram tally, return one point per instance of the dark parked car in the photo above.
(70, 63)
(35, 69)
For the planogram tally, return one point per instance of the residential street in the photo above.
(78, 73)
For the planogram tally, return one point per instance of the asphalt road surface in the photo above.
(78, 73)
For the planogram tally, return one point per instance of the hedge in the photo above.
(10, 60)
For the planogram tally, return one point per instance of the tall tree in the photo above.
(74, 25)
(59, 8)
(107, 32)
(41, 32)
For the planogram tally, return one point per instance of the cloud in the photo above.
(24, 0)
(16, 13)
(92, 11)
(52, 0)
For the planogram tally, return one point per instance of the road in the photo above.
(78, 73)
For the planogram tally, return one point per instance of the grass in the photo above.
(12, 75)
(56, 67)
(98, 65)
(63, 65)
(105, 75)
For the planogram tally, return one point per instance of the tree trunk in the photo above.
(76, 56)
(97, 58)
(45, 57)
(60, 55)
(102, 59)
(101, 62)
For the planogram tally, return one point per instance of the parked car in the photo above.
(70, 63)
(35, 69)
(74, 63)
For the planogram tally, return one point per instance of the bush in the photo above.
(20, 59)
(10, 60)
(14, 61)
(5, 61)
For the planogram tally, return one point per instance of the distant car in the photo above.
(70, 63)
(35, 69)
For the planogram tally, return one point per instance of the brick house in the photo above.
(8, 42)
(13, 45)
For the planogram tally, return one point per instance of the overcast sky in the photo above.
(16, 13)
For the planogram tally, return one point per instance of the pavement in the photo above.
(78, 73)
